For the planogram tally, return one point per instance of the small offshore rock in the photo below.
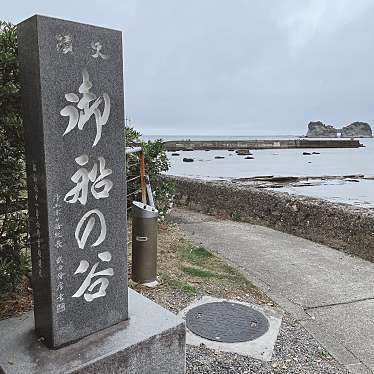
(185, 159)
(354, 176)
(175, 154)
(306, 153)
(219, 157)
(249, 158)
(243, 152)
(316, 153)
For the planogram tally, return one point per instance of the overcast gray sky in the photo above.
(234, 67)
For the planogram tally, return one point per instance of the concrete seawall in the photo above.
(340, 226)
(260, 144)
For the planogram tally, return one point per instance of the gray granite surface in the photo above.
(69, 74)
(151, 341)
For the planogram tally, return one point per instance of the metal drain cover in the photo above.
(226, 322)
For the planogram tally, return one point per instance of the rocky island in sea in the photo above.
(357, 130)
(317, 129)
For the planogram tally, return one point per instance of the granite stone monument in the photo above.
(85, 318)
(72, 90)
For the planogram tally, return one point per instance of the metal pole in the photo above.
(149, 191)
(142, 177)
(133, 149)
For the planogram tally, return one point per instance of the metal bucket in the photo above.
(144, 243)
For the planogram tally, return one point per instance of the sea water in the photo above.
(287, 162)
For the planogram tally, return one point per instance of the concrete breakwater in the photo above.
(184, 145)
(346, 228)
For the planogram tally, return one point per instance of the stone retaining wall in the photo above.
(340, 226)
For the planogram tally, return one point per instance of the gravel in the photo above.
(296, 351)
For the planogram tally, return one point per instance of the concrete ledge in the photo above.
(152, 341)
(340, 226)
(178, 145)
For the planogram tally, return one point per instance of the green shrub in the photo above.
(156, 162)
(13, 218)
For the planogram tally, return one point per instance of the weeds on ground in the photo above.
(17, 302)
(236, 216)
(187, 270)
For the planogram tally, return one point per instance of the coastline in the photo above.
(336, 168)
(341, 226)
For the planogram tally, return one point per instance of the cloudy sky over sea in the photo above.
(235, 67)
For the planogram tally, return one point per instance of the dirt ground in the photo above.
(187, 271)
(16, 303)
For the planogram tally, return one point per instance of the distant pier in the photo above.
(192, 145)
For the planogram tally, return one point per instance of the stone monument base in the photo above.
(151, 341)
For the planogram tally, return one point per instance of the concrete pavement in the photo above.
(330, 293)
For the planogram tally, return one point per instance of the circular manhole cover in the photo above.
(226, 322)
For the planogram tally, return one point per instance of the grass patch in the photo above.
(209, 273)
(187, 270)
(197, 272)
(193, 254)
(178, 284)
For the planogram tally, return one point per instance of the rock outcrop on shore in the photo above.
(317, 129)
(357, 130)
(243, 152)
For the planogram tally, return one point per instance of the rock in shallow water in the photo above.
(242, 152)
(188, 159)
